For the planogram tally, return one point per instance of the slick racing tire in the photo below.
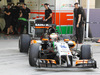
(24, 43)
(33, 54)
(85, 52)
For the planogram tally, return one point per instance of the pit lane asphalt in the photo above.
(12, 62)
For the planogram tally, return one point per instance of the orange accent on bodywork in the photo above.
(66, 40)
(33, 41)
(44, 39)
(81, 62)
(46, 60)
(49, 60)
(53, 61)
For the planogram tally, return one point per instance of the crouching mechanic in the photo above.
(48, 14)
(23, 20)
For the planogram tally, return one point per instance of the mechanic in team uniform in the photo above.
(15, 16)
(8, 19)
(48, 14)
(74, 23)
(24, 16)
(79, 24)
(13, 13)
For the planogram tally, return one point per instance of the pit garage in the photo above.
(44, 52)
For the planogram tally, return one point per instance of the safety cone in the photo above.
(98, 41)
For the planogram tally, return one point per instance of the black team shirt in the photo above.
(7, 10)
(75, 12)
(25, 13)
(47, 14)
(15, 12)
(77, 15)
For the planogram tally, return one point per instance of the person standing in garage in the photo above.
(24, 16)
(48, 14)
(79, 24)
(15, 16)
(18, 8)
(8, 19)
(74, 23)
(13, 13)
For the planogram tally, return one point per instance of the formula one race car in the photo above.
(54, 51)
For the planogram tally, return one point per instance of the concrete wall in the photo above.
(97, 4)
(95, 17)
(3, 2)
(15, 1)
(84, 3)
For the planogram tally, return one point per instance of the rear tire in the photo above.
(24, 42)
(33, 54)
(85, 52)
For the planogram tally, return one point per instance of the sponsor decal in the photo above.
(30, 2)
(67, 5)
(62, 46)
(42, 5)
(41, 24)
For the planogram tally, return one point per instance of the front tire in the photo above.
(85, 52)
(33, 54)
(24, 42)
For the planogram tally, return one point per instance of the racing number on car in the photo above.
(62, 46)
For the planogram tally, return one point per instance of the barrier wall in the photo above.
(95, 17)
